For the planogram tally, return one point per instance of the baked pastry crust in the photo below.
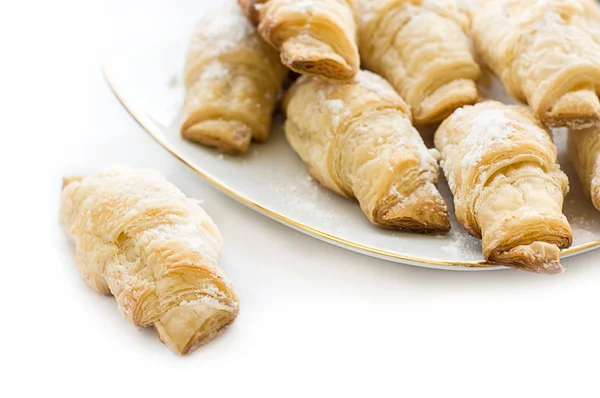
(314, 37)
(422, 49)
(584, 150)
(357, 140)
(500, 164)
(232, 79)
(546, 53)
(142, 240)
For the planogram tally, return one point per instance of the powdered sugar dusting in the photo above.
(303, 6)
(338, 110)
(488, 127)
(374, 83)
(461, 244)
(303, 194)
(428, 164)
(225, 27)
(491, 127)
(230, 23)
(585, 227)
(214, 70)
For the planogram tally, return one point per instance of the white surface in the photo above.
(316, 320)
(146, 74)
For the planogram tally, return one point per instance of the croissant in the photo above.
(584, 149)
(314, 37)
(508, 190)
(546, 53)
(421, 48)
(358, 141)
(232, 79)
(140, 239)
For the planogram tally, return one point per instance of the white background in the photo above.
(315, 320)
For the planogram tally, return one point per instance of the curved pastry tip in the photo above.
(308, 56)
(423, 211)
(538, 257)
(445, 100)
(188, 326)
(230, 136)
(577, 110)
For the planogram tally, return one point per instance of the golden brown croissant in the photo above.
(421, 48)
(358, 141)
(547, 53)
(508, 189)
(140, 239)
(584, 149)
(314, 37)
(232, 79)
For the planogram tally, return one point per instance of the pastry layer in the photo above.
(232, 79)
(501, 166)
(546, 53)
(142, 240)
(357, 140)
(422, 49)
(314, 37)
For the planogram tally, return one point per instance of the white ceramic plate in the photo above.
(144, 72)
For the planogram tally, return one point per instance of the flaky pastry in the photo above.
(232, 78)
(314, 37)
(421, 48)
(357, 140)
(156, 251)
(546, 53)
(500, 164)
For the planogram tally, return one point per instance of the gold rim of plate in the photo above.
(302, 227)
